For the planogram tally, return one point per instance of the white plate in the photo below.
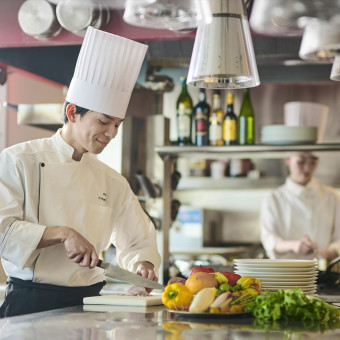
(309, 292)
(292, 263)
(278, 275)
(277, 266)
(277, 270)
(309, 287)
(288, 283)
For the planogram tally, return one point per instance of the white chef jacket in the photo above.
(41, 185)
(293, 210)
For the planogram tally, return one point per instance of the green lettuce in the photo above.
(293, 305)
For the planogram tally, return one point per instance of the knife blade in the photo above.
(121, 274)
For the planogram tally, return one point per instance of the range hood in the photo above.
(47, 116)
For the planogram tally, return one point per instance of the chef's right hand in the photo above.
(79, 249)
(304, 246)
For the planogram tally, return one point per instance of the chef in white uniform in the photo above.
(59, 205)
(301, 219)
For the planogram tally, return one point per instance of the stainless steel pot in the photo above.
(76, 15)
(37, 18)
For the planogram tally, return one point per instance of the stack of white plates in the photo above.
(284, 134)
(280, 274)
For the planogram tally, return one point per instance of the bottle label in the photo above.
(246, 130)
(183, 122)
(215, 130)
(229, 130)
(201, 123)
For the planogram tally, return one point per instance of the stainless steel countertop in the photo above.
(114, 322)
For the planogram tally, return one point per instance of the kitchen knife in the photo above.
(126, 276)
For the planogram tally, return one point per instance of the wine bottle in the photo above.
(230, 122)
(216, 121)
(246, 126)
(201, 114)
(184, 108)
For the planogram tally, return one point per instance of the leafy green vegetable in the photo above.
(293, 305)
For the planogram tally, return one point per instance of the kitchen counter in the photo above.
(114, 322)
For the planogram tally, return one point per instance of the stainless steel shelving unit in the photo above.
(170, 153)
(249, 151)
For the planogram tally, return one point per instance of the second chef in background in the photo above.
(301, 219)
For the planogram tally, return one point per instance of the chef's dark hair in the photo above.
(79, 110)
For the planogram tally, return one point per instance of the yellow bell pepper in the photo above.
(220, 277)
(246, 282)
(177, 297)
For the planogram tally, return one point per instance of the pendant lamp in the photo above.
(320, 40)
(223, 54)
(175, 15)
(335, 73)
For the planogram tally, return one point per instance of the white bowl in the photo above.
(307, 114)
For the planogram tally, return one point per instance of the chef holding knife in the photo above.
(301, 219)
(60, 206)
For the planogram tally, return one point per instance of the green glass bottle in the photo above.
(246, 121)
(184, 108)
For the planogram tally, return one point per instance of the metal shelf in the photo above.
(209, 183)
(240, 151)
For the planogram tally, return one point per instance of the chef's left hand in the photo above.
(147, 269)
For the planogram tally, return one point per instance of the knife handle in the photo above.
(102, 264)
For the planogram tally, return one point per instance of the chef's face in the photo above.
(92, 131)
(302, 167)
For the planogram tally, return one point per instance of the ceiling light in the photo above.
(223, 54)
(335, 73)
(175, 15)
(320, 40)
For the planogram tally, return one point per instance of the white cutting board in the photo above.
(124, 300)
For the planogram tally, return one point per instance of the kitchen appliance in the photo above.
(193, 228)
(127, 276)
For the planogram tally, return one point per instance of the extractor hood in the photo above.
(47, 116)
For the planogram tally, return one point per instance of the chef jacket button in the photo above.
(42, 164)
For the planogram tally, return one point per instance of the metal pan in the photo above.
(328, 278)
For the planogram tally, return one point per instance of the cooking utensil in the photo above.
(328, 278)
(38, 19)
(124, 275)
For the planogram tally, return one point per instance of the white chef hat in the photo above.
(106, 72)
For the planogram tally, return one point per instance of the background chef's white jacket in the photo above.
(293, 210)
(98, 201)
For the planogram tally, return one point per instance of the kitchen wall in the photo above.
(241, 205)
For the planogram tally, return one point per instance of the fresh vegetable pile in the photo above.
(293, 305)
(208, 291)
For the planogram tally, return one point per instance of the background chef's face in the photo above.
(302, 167)
(94, 131)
